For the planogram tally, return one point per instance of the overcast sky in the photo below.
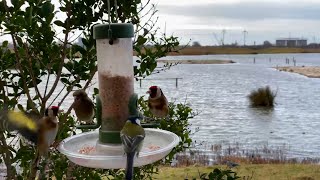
(204, 20)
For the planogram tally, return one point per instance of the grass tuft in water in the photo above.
(262, 97)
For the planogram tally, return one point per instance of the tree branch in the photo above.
(84, 88)
(63, 56)
(5, 152)
(31, 72)
(25, 87)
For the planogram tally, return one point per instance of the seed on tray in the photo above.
(87, 150)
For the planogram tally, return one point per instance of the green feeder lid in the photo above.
(116, 30)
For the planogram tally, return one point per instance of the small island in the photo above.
(196, 61)
(309, 71)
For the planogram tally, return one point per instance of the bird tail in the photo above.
(129, 167)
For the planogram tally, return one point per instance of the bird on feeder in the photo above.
(42, 132)
(157, 102)
(132, 136)
(83, 107)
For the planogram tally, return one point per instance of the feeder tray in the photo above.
(85, 150)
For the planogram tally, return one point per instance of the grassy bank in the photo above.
(247, 171)
(204, 50)
(196, 61)
(311, 71)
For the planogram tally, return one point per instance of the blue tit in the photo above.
(83, 107)
(132, 136)
(157, 102)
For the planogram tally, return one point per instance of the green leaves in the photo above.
(220, 174)
(47, 9)
(4, 44)
(59, 23)
(42, 57)
(141, 40)
(178, 123)
(17, 3)
(149, 54)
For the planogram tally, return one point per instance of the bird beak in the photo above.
(148, 92)
(60, 110)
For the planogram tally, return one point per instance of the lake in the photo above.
(219, 93)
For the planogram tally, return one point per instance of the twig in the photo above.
(62, 56)
(68, 92)
(144, 6)
(25, 87)
(31, 72)
(46, 88)
(6, 155)
(34, 166)
(90, 79)
(153, 8)
(70, 169)
(65, 115)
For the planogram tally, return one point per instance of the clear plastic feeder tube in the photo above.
(115, 75)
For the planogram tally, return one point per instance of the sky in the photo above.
(238, 21)
(242, 21)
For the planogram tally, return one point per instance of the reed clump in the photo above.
(262, 97)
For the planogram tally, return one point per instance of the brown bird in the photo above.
(157, 102)
(41, 132)
(83, 107)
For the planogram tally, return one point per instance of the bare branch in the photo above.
(46, 88)
(25, 87)
(31, 72)
(5, 153)
(63, 56)
(64, 118)
(144, 6)
(93, 72)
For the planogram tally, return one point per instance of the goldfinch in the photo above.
(42, 132)
(157, 102)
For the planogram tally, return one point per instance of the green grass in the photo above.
(247, 171)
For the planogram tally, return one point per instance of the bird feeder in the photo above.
(115, 104)
(116, 77)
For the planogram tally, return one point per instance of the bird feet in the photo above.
(55, 144)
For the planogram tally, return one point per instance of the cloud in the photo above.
(246, 10)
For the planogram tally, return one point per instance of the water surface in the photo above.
(220, 93)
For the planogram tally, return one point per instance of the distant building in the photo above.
(291, 42)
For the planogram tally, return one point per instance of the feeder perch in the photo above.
(116, 102)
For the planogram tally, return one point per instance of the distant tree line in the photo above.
(265, 44)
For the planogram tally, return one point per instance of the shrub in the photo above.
(42, 34)
(262, 97)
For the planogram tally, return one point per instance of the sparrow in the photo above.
(83, 107)
(132, 136)
(157, 102)
(42, 132)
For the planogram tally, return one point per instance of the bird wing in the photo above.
(20, 120)
(26, 126)
(131, 144)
